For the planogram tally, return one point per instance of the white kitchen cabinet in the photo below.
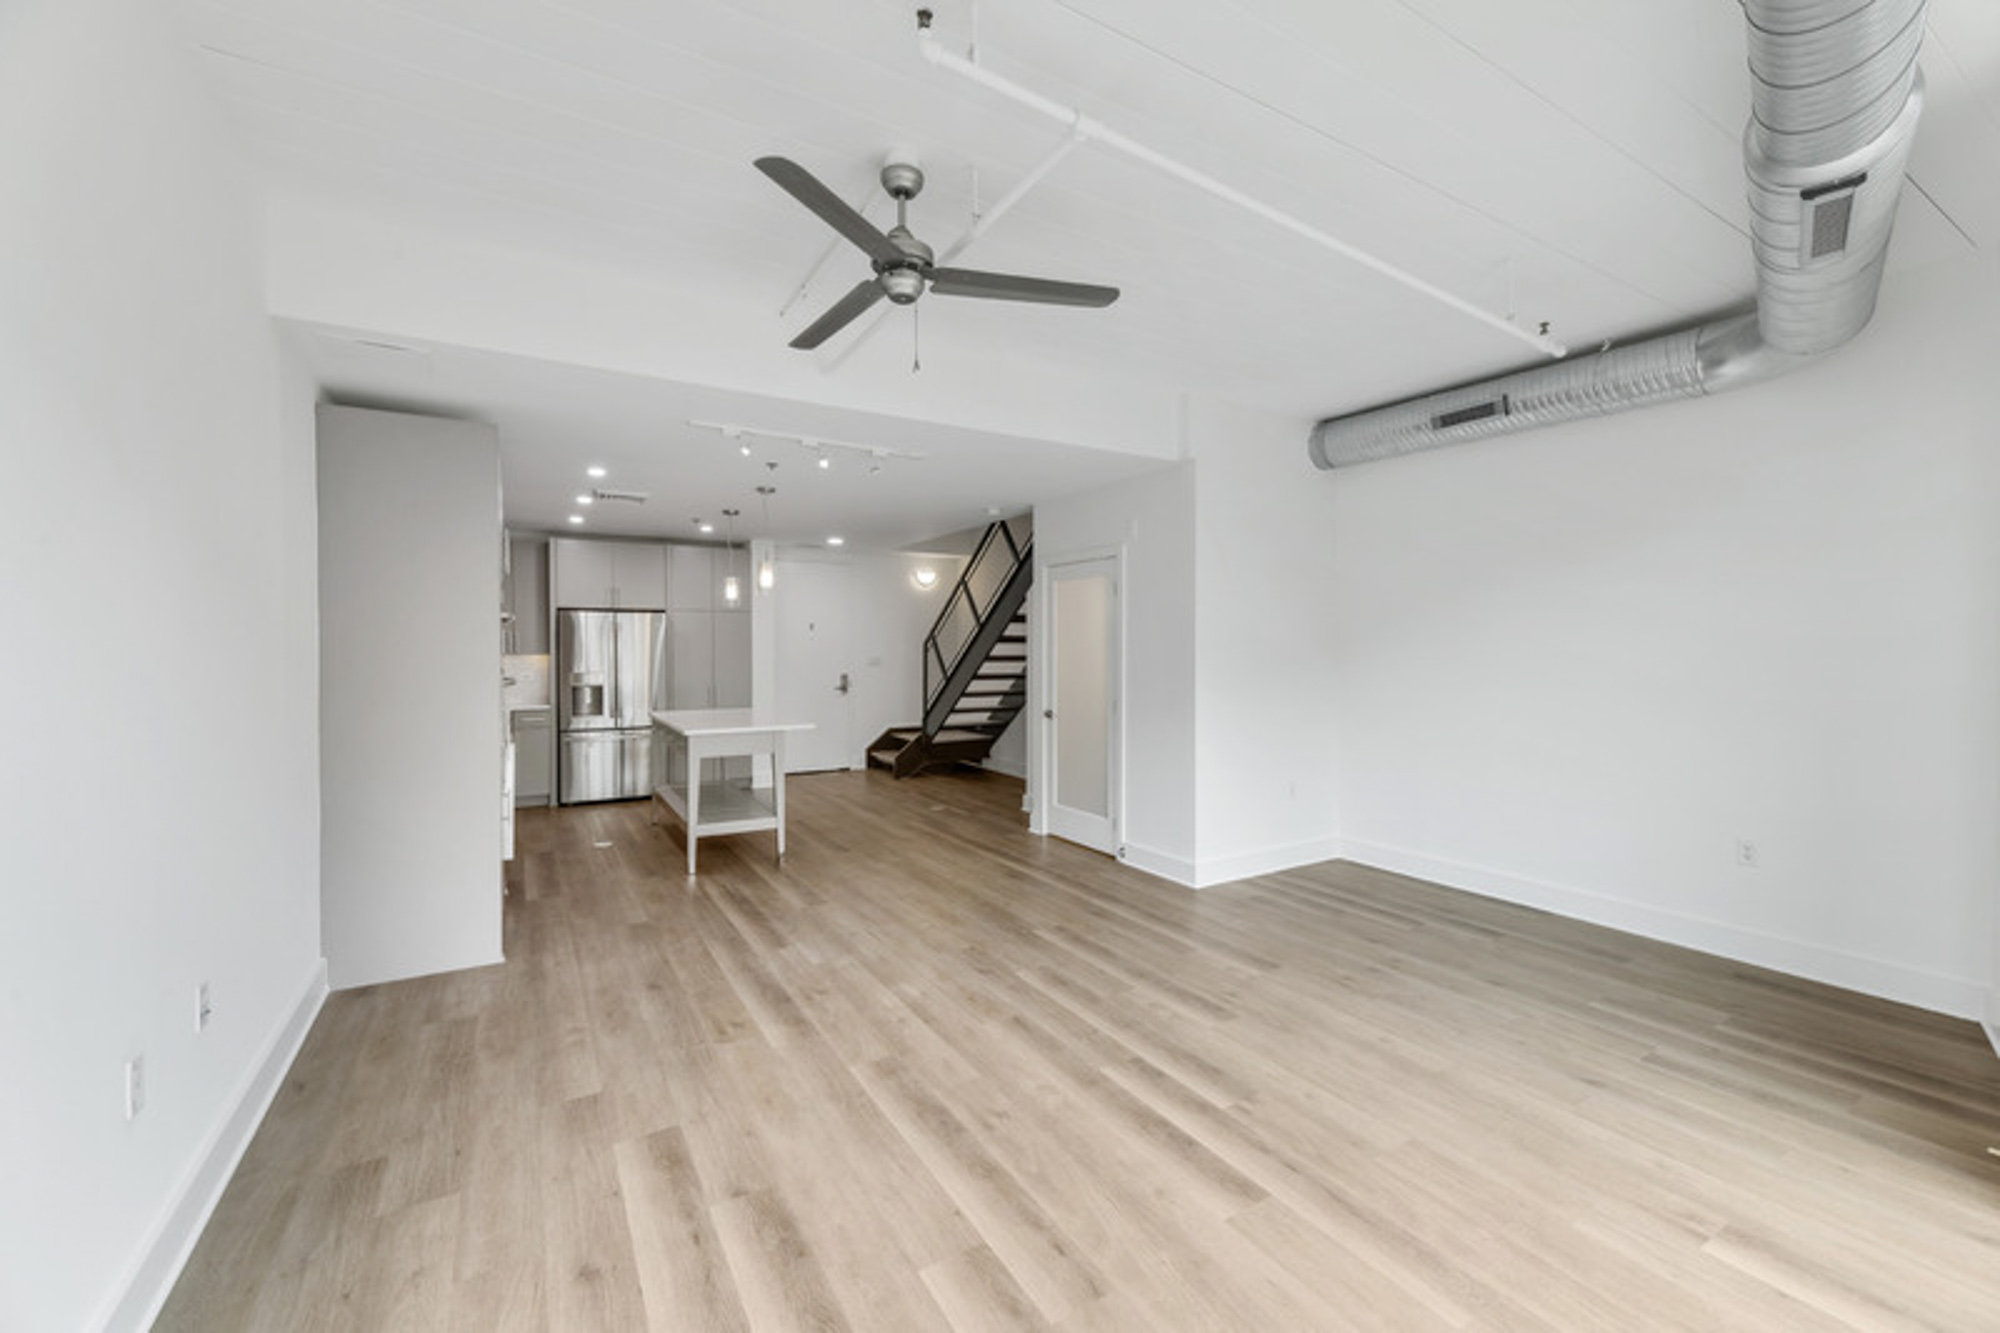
(731, 676)
(641, 569)
(690, 573)
(625, 576)
(581, 573)
(709, 653)
(534, 755)
(695, 576)
(528, 595)
(691, 651)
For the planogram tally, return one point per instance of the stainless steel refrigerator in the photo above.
(611, 673)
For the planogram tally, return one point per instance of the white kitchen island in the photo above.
(709, 808)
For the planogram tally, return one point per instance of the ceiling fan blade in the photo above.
(843, 312)
(1013, 287)
(805, 187)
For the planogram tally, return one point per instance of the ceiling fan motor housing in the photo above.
(902, 285)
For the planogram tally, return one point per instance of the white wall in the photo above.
(891, 617)
(158, 810)
(1150, 523)
(1266, 683)
(1575, 668)
(1010, 751)
(410, 717)
(888, 617)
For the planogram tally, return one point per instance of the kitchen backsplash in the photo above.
(530, 674)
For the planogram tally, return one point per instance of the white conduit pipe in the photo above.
(1016, 195)
(1083, 127)
(979, 228)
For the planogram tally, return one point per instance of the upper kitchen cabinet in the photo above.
(625, 576)
(697, 575)
(527, 594)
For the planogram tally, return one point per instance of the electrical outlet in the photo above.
(203, 1008)
(1746, 853)
(135, 1086)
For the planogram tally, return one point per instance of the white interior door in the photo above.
(1083, 707)
(813, 670)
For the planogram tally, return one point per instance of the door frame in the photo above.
(1041, 687)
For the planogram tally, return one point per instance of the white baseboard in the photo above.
(1269, 861)
(1178, 869)
(1199, 874)
(137, 1301)
(1800, 958)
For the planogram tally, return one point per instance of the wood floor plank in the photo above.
(683, 1273)
(978, 1295)
(783, 1285)
(589, 1273)
(1043, 1259)
(934, 1074)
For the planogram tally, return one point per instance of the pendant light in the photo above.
(767, 571)
(732, 589)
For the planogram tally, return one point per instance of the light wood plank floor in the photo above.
(936, 1074)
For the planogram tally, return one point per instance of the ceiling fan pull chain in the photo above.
(916, 339)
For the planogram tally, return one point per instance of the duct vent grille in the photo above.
(1459, 416)
(1831, 209)
(1829, 226)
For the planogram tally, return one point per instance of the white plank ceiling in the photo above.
(1574, 162)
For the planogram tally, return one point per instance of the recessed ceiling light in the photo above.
(585, 499)
(593, 471)
(576, 518)
(836, 541)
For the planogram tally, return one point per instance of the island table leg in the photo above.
(778, 787)
(694, 758)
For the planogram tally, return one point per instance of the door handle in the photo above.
(842, 687)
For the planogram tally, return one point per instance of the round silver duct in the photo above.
(1835, 101)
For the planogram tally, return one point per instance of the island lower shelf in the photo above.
(725, 807)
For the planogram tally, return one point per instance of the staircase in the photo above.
(975, 662)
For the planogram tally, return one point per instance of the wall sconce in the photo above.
(924, 578)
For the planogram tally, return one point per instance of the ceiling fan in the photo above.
(903, 264)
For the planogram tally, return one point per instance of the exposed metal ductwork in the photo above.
(1835, 100)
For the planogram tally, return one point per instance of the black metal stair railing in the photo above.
(975, 617)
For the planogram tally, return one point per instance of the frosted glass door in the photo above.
(1083, 708)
